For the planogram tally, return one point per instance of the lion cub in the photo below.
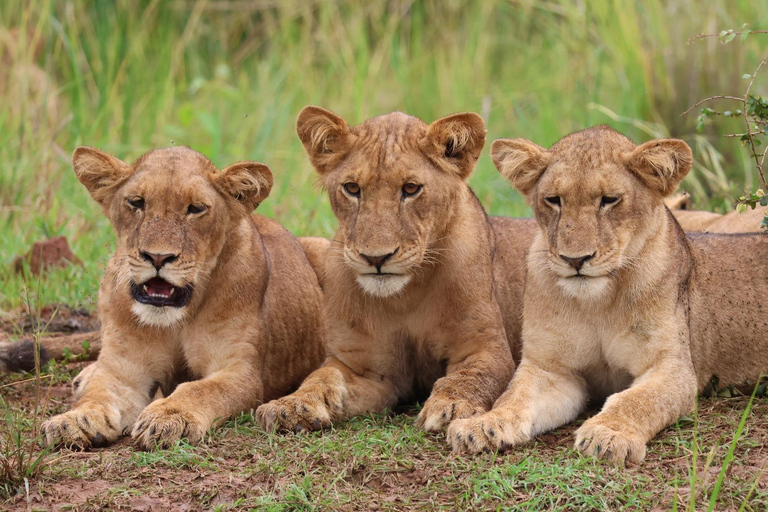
(408, 280)
(197, 290)
(618, 303)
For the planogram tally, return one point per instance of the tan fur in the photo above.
(316, 250)
(710, 222)
(732, 222)
(434, 323)
(654, 317)
(251, 330)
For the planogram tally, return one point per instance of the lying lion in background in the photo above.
(408, 284)
(618, 302)
(198, 293)
(709, 222)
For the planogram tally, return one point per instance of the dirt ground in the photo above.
(382, 462)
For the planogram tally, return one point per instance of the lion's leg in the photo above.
(469, 387)
(195, 406)
(537, 400)
(331, 393)
(108, 402)
(631, 418)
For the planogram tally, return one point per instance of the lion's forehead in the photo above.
(387, 140)
(181, 161)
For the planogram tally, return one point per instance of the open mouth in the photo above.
(160, 293)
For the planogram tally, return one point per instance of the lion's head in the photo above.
(394, 183)
(172, 212)
(597, 198)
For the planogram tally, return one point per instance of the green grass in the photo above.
(229, 78)
(384, 461)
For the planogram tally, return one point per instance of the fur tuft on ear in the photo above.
(100, 172)
(325, 137)
(456, 141)
(520, 161)
(247, 182)
(661, 163)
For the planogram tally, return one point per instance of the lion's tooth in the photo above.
(145, 288)
(172, 290)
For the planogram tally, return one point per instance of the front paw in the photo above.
(496, 430)
(595, 439)
(81, 429)
(293, 413)
(163, 423)
(439, 411)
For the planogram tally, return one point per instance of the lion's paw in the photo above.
(492, 431)
(439, 411)
(163, 423)
(598, 440)
(80, 429)
(293, 413)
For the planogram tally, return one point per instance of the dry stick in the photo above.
(10, 384)
(758, 161)
(704, 36)
(720, 97)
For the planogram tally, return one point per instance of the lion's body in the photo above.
(727, 299)
(619, 303)
(408, 281)
(710, 222)
(732, 222)
(251, 330)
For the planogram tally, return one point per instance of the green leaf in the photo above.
(764, 201)
(729, 38)
(741, 207)
(746, 76)
(744, 34)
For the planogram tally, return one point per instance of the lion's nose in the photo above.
(377, 261)
(578, 261)
(158, 260)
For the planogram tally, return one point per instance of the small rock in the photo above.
(54, 252)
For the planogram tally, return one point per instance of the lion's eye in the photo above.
(553, 200)
(608, 200)
(137, 203)
(411, 189)
(194, 209)
(352, 189)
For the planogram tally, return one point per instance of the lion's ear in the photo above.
(101, 173)
(661, 164)
(247, 182)
(458, 140)
(520, 161)
(325, 136)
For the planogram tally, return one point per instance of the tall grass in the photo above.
(228, 77)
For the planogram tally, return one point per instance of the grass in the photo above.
(383, 461)
(228, 79)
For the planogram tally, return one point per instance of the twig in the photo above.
(758, 161)
(721, 97)
(738, 33)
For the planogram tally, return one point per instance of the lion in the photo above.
(709, 222)
(619, 304)
(410, 305)
(217, 309)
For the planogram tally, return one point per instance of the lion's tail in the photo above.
(18, 356)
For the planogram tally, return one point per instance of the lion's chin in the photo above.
(155, 316)
(382, 285)
(585, 288)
